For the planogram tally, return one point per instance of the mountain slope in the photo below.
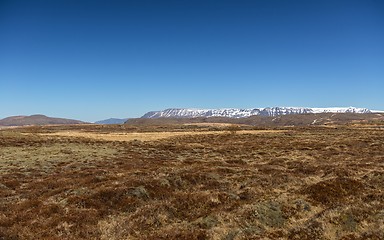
(315, 119)
(241, 113)
(112, 121)
(35, 120)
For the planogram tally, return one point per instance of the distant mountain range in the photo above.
(112, 121)
(36, 120)
(243, 113)
(318, 119)
(191, 113)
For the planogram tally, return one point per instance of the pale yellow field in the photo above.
(147, 136)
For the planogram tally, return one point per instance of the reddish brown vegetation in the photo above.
(307, 183)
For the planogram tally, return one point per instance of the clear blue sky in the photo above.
(91, 60)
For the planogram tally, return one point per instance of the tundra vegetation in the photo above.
(192, 182)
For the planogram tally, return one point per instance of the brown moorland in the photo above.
(204, 182)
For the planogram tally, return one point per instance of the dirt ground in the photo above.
(223, 183)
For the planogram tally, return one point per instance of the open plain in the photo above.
(192, 182)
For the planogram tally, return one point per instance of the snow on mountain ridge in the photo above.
(241, 113)
(341, 110)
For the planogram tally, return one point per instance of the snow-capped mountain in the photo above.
(241, 113)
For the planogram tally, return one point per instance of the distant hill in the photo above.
(35, 120)
(112, 121)
(308, 119)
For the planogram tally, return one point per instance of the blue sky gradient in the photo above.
(92, 60)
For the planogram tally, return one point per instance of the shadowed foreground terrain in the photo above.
(292, 183)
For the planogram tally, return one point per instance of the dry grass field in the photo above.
(192, 182)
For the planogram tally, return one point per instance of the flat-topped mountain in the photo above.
(242, 113)
(37, 119)
(309, 119)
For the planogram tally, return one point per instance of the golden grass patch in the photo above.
(148, 136)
